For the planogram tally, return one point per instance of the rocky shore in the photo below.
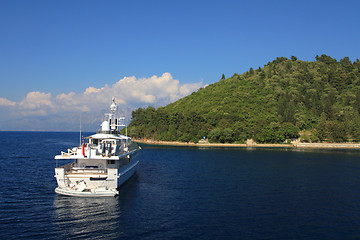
(254, 145)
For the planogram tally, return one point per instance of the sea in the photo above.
(184, 193)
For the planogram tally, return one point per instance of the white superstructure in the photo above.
(100, 165)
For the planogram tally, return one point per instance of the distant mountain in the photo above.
(287, 98)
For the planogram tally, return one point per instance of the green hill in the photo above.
(318, 100)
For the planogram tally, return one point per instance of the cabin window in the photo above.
(95, 141)
(111, 161)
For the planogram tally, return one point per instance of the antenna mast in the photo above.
(126, 127)
(80, 130)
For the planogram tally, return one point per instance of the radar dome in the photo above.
(105, 126)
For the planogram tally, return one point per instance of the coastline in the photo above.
(235, 145)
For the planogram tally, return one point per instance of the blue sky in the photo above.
(61, 48)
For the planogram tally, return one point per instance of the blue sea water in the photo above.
(184, 193)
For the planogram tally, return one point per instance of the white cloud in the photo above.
(36, 100)
(7, 103)
(91, 90)
(129, 92)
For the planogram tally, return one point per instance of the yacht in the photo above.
(103, 162)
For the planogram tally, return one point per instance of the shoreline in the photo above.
(236, 145)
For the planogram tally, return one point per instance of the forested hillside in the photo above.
(287, 98)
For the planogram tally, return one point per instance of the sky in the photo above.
(64, 60)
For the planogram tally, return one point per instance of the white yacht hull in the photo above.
(123, 175)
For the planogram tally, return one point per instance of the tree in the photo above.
(251, 71)
(286, 108)
(357, 102)
(325, 59)
(214, 135)
(336, 131)
(290, 131)
(227, 136)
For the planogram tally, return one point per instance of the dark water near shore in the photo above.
(184, 193)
